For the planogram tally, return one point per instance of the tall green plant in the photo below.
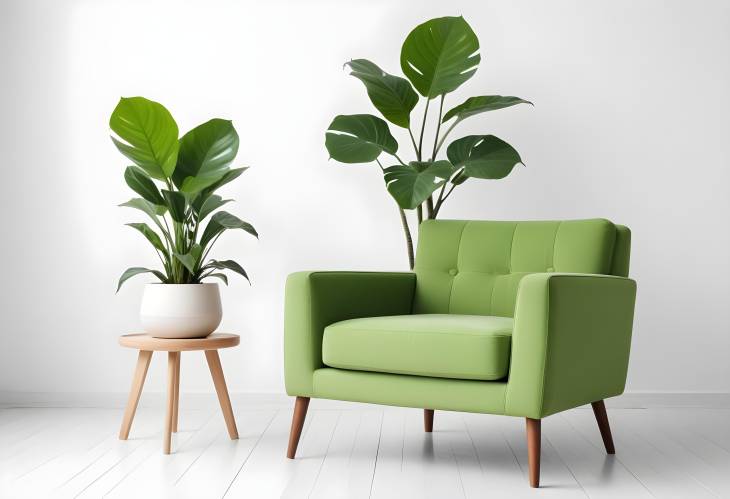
(189, 170)
(437, 57)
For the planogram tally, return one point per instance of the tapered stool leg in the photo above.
(599, 410)
(428, 420)
(297, 423)
(216, 371)
(533, 450)
(171, 368)
(176, 403)
(140, 373)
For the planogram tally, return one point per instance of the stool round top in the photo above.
(214, 341)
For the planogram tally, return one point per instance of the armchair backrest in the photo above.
(475, 267)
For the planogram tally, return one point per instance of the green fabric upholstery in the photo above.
(564, 283)
(410, 391)
(476, 267)
(570, 344)
(621, 252)
(437, 345)
(314, 300)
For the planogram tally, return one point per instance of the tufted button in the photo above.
(453, 272)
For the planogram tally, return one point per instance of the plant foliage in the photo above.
(437, 57)
(176, 179)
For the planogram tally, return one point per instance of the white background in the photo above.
(630, 123)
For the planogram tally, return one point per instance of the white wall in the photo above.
(630, 123)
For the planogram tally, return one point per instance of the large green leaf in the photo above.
(139, 182)
(411, 185)
(209, 205)
(483, 156)
(229, 265)
(221, 221)
(482, 104)
(202, 186)
(205, 154)
(459, 178)
(359, 138)
(151, 236)
(153, 210)
(148, 135)
(439, 55)
(393, 96)
(133, 271)
(176, 203)
(191, 259)
(220, 276)
(460, 149)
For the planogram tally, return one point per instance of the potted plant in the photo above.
(437, 57)
(189, 169)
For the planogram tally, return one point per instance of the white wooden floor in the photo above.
(360, 451)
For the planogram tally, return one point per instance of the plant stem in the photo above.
(406, 229)
(419, 155)
(443, 198)
(159, 255)
(169, 238)
(448, 193)
(441, 140)
(413, 140)
(170, 244)
(430, 213)
(210, 246)
(195, 231)
(409, 239)
(179, 248)
(440, 199)
(419, 151)
(399, 160)
(438, 128)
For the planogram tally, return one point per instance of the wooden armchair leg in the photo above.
(297, 423)
(533, 450)
(599, 410)
(428, 420)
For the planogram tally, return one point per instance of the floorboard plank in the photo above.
(160, 471)
(268, 474)
(311, 453)
(61, 433)
(64, 457)
(661, 433)
(101, 459)
(388, 482)
(662, 476)
(151, 446)
(360, 451)
(499, 470)
(429, 465)
(599, 474)
(348, 467)
(210, 475)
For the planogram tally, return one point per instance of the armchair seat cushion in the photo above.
(435, 345)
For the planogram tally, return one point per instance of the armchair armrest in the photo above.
(314, 300)
(570, 342)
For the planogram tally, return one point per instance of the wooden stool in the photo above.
(146, 345)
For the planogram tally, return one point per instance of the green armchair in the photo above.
(521, 319)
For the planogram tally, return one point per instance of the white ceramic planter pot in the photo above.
(181, 310)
